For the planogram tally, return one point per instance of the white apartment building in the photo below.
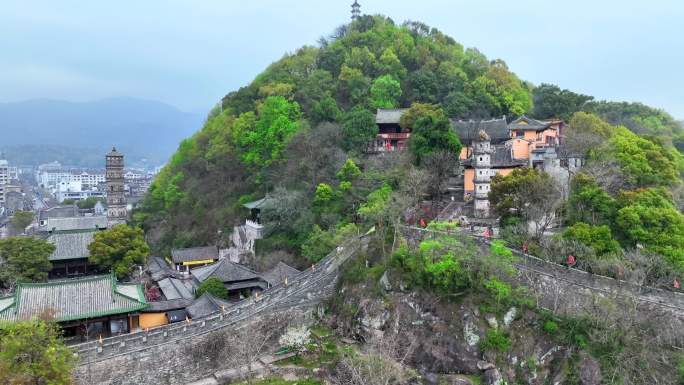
(52, 178)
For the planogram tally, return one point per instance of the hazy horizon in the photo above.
(190, 54)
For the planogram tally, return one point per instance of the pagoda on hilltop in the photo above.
(356, 10)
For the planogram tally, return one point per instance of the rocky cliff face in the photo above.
(443, 339)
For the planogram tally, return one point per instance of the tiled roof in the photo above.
(76, 299)
(262, 203)
(525, 123)
(174, 289)
(174, 304)
(159, 269)
(205, 305)
(194, 254)
(277, 274)
(58, 212)
(469, 130)
(73, 245)
(501, 157)
(389, 116)
(226, 271)
(76, 223)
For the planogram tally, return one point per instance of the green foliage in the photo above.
(550, 327)
(645, 162)
(586, 123)
(20, 220)
(552, 102)
(443, 226)
(119, 248)
(213, 286)
(598, 238)
(24, 259)
(639, 118)
(88, 203)
(248, 144)
(431, 131)
(588, 202)
(376, 203)
(499, 290)
(358, 128)
(31, 352)
(514, 195)
(320, 243)
(349, 171)
(324, 195)
(495, 341)
(649, 218)
(263, 137)
(385, 92)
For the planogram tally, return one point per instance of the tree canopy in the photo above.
(31, 352)
(120, 249)
(213, 286)
(24, 259)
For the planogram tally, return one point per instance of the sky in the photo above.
(190, 53)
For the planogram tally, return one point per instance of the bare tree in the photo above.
(249, 342)
(441, 166)
(608, 175)
(383, 362)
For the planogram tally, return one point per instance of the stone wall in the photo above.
(570, 291)
(160, 355)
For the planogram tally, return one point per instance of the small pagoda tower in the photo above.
(482, 163)
(356, 10)
(116, 201)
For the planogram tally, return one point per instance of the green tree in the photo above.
(649, 218)
(20, 220)
(588, 202)
(645, 162)
(349, 171)
(552, 102)
(525, 194)
(263, 139)
(431, 131)
(31, 352)
(325, 110)
(88, 203)
(358, 128)
(213, 286)
(385, 92)
(119, 248)
(24, 259)
(324, 195)
(598, 238)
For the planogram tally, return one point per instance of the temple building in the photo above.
(85, 308)
(390, 137)
(356, 10)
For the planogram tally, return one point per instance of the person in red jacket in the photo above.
(571, 260)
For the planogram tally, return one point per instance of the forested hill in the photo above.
(298, 132)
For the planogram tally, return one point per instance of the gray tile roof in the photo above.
(468, 130)
(389, 116)
(194, 254)
(501, 157)
(174, 304)
(72, 245)
(174, 289)
(76, 223)
(76, 299)
(525, 123)
(160, 269)
(226, 271)
(58, 212)
(277, 274)
(207, 304)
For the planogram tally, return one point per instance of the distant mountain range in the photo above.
(79, 133)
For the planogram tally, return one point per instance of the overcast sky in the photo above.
(189, 53)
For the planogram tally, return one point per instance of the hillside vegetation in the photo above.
(300, 120)
(298, 132)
